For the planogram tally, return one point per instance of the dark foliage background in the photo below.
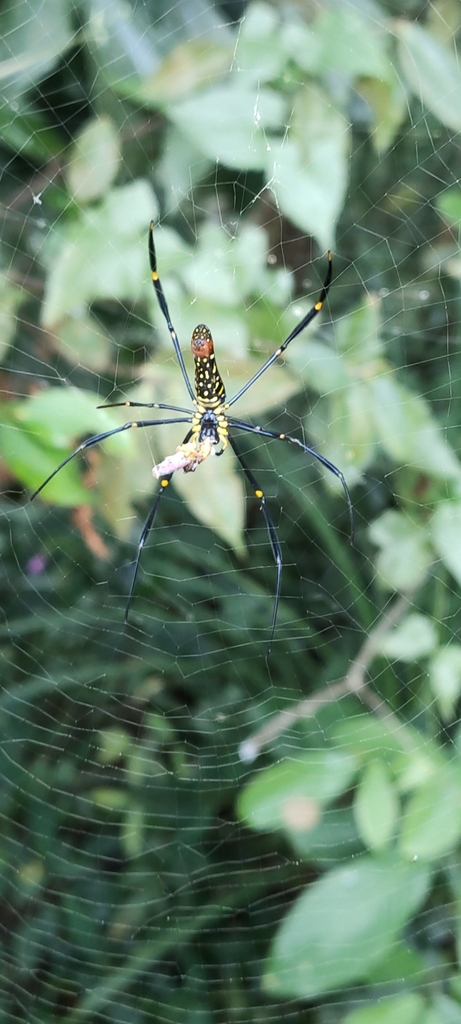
(191, 831)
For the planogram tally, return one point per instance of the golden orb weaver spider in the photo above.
(210, 425)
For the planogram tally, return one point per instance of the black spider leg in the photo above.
(294, 334)
(146, 531)
(102, 437)
(144, 405)
(274, 541)
(164, 308)
(240, 425)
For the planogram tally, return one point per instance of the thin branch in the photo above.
(355, 682)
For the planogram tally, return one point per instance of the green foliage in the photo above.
(148, 871)
(344, 925)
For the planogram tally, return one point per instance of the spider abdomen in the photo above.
(209, 386)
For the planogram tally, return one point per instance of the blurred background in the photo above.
(192, 830)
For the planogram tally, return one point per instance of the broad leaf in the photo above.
(432, 72)
(344, 924)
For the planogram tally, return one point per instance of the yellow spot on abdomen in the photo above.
(259, 494)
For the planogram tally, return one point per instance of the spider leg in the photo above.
(274, 541)
(142, 540)
(240, 425)
(165, 480)
(294, 334)
(164, 308)
(102, 437)
(143, 405)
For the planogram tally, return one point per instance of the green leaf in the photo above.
(94, 160)
(357, 335)
(32, 459)
(30, 46)
(332, 840)
(431, 71)
(308, 171)
(351, 44)
(285, 793)
(406, 1009)
(445, 678)
(114, 742)
(47, 428)
(445, 527)
(387, 101)
(405, 554)
(30, 135)
(402, 961)
(367, 737)
(82, 341)
(109, 797)
(215, 493)
(431, 823)
(409, 432)
(320, 367)
(344, 924)
(11, 297)
(413, 638)
(446, 1010)
(259, 53)
(230, 123)
(178, 169)
(132, 831)
(102, 254)
(376, 806)
(449, 205)
(190, 66)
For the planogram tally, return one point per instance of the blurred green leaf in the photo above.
(259, 53)
(322, 369)
(358, 334)
(11, 297)
(352, 45)
(431, 71)
(316, 950)
(31, 45)
(409, 432)
(308, 170)
(94, 160)
(449, 205)
(413, 638)
(100, 254)
(82, 341)
(189, 67)
(445, 678)
(445, 527)
(114, 743)
(405, 554)
(285, 793)
(30, 134)
(230, 124)
(401, 961)
(215, 494)
(431, 821)
(387, 101)
(376, 806)
(406, 1009)
(110, 798)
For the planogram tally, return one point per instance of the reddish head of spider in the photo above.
(202, 342)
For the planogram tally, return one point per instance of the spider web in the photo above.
(192, 829)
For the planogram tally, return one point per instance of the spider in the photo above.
(211, 427)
